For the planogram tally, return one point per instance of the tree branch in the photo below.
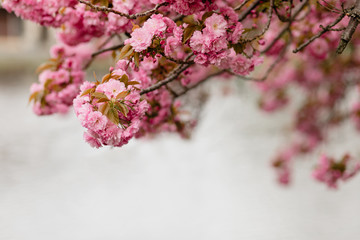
(95, 54)
(173, 75)
(115, 47)
(350, 29)
(287, 27)
(200, 82)
(266, 26)
(324, 30)
(241, 5)
(269, 70)
(243, 15)
(175, 60)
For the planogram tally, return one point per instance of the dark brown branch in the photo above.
(241, 5)
(350, 29)
(129, 16)
(266, 26)
(330, 7)
(269, 70)
(200, 82)
(95, 54)
(276, 62)
(277, 38)
(337, 29)
(243, 14)
(244, 77)
(287, 27)
(324, 30)
(176, 60)
(115, 47)
(172, 76)
(281, 17)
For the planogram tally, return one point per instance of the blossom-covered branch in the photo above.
(173, 46)
(129, 16)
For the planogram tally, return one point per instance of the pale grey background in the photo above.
(219, 185)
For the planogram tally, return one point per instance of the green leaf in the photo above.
(113, 54)
(129, 53)
(102, 100)
(136, 59)
(124, 78)
(206, 15)
(122, 108)
(33, 96)
(238, 48)
(106, 78)
(54, 60)
(122, 95)
(56, 87)
(113, 116)
(47, 83)
(115, 77)
(133, 83)
(246, 30)
(124, 51)
(104, 109)
(87, 91)
(45, 66)
(97, 81)
(41, 97)
(263, 7)
(189, 20)
(99, 95)
(188, 32)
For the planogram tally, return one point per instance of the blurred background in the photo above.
(217, 185)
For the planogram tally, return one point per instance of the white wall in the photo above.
(219, 185)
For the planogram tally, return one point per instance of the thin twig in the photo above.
(286, 28)
(95, 54)
(200, 82)
(241, 5)
(324, 30)
(173, 75)
(266, 26)
(337, 29)
(115, 47)
(329, 8)
(243, 15)
(175, 60)
(269, 70)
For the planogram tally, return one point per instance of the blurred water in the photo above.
(216, 186)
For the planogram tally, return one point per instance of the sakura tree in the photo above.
(163, 49)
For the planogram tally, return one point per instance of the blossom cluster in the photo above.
(331, 172)
(211, 44)
(158, 36)
(60, 79)
(46, 12)
(164, 113)
(111, 110)
(78, 23)
(188, 7)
